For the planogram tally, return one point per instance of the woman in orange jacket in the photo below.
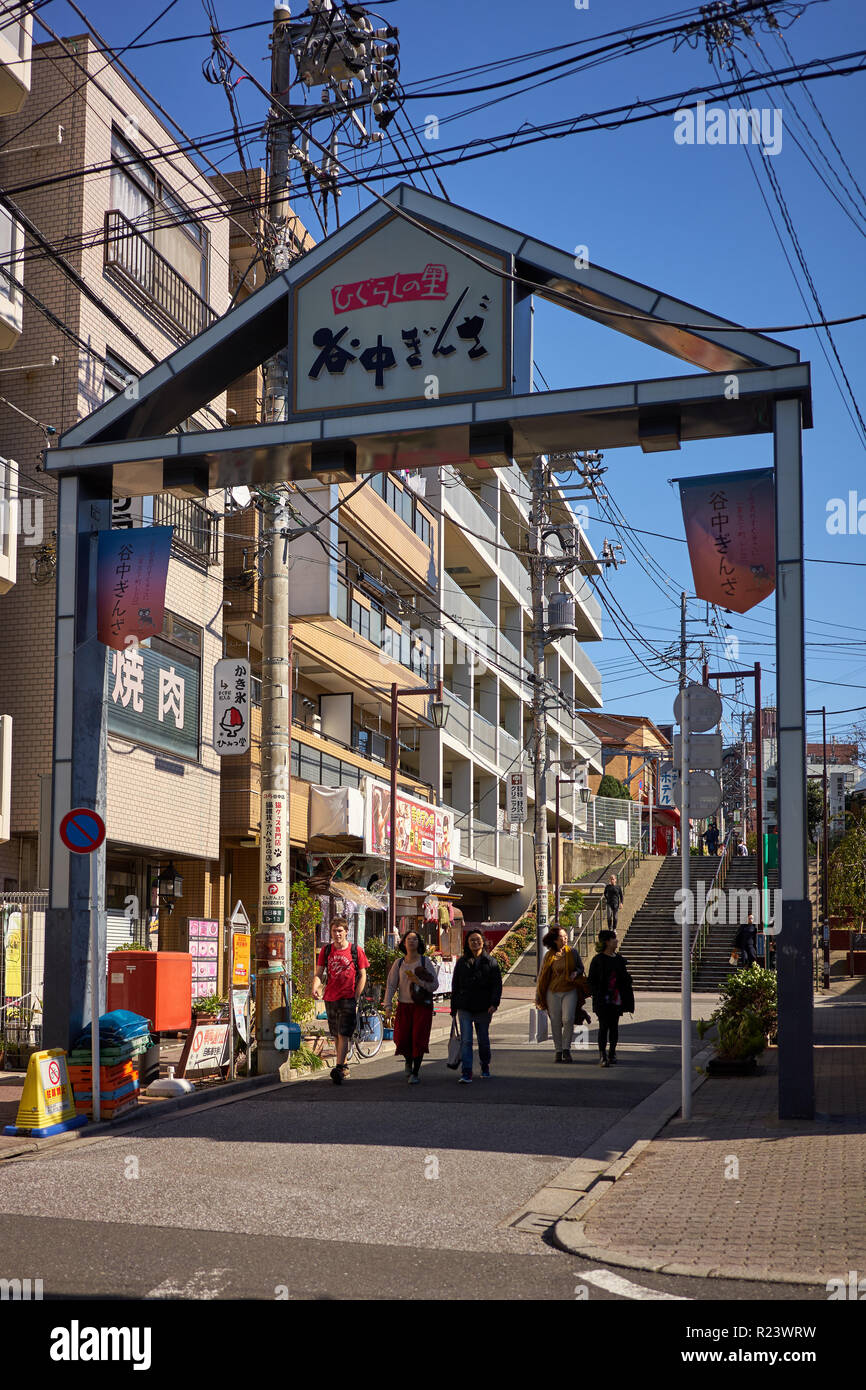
(559, 990)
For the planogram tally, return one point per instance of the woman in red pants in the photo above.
(413, 979)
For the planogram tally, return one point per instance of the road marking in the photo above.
(614, 1283)
(204, 1283)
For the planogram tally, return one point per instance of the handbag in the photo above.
(455, 1047)
(420, 995)
(735, 958)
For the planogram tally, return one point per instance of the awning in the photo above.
(664, 815)
(361, 897)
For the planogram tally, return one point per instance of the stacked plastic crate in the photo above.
(123, 1039)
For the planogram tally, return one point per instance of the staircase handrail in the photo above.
(719, 879)
(631, 859)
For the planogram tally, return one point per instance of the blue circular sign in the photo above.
(82, 830)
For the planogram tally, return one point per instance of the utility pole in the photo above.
(685, 867)
(539, 729)
(825, 853)
(744, 776)
(275, 837)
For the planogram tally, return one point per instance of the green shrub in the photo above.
(746, 1015)
(305, 914)
(305, 1057)
(381, 958)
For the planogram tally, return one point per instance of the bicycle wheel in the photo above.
(368, 1036)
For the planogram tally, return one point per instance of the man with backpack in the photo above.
(344, 969)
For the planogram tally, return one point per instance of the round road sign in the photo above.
(54, 1073)
(82, 830)
(705, 795)
(705, 707)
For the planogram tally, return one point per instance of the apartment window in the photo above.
(11, 243)
(402, 501)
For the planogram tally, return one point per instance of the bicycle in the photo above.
(369, 1032)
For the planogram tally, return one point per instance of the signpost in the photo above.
(516, 810)
(82, 831)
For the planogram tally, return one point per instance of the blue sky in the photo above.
(686, 219)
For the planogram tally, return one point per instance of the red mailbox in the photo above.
(155, 984)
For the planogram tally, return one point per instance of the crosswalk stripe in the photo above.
(614, 1283)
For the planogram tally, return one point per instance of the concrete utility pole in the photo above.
(744, 775)
(685, 867)
(275, 837)
(539, 729)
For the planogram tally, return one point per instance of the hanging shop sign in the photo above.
(426, 836)
(274, 858)
(402, 317)
(231, 706)
(730, 529)
(516, 808)
(132, 567)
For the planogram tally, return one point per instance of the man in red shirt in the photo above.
(346, 969)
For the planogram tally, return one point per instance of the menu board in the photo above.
(204, 949)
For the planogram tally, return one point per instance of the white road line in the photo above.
(204, 1283)
(614, 1283)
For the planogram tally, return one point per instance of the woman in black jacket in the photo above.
(476, 989)
(612, 994)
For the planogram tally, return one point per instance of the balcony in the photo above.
(589, 675)
(11, 297)
(483, 845)
(131, 257)
(195, 527)
(470, 513)
(16, 40)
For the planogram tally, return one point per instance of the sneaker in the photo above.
(414, 1080)
(558, 1057)
(465, 1081)
(611, 1059)
(336, 1075)
(566, 1057)
(602, 1061)
(407, 1069)
(485, 1071)
(345, 1070)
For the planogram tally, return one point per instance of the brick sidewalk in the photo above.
(796, 1212)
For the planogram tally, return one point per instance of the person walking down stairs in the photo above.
(613, 900)
(612, 994)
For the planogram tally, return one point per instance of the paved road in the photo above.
(369, 1190)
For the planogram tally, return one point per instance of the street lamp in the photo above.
(169, 886)
(439, 710)
(585, 794)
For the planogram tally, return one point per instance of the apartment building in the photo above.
(123, 264)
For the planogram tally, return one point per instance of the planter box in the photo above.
(857, 962)
(721, 1066)
(840, 939)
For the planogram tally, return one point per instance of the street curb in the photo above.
(568, 1232)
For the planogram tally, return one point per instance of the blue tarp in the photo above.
(117, 1027)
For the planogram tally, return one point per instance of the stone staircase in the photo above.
(715, 967)
(653, 944)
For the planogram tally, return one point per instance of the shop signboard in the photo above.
(400, 315)
(204, 949)
(426, 836)
(153, 699)
(206, 1049)
(516, 809)
(730, 529)
(231, 706)
(274, 857)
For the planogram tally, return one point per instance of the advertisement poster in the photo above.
(274, 858)
(731, 533)
(131, 572)
(516, 808)
(425, 833)
(204, 949)
(241, 960)
(13, 934)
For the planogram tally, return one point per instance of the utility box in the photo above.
(155, 984)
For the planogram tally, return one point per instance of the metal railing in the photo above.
(719, 877)
(129, 253)
(195, 527)
(21, 979)
(624, 865)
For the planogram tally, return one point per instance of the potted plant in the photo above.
(208, 1008)
(745, 1021)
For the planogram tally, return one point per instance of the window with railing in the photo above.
(195, 528)
(155, 242)
(402, 501)
(368, 618)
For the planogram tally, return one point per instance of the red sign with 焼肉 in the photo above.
(730, 521)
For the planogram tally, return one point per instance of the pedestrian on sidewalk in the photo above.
(413, 979)
(345, 967)
(612, 994)
(558, 989)
(613, 900)
(476, 990)
(746, 942)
